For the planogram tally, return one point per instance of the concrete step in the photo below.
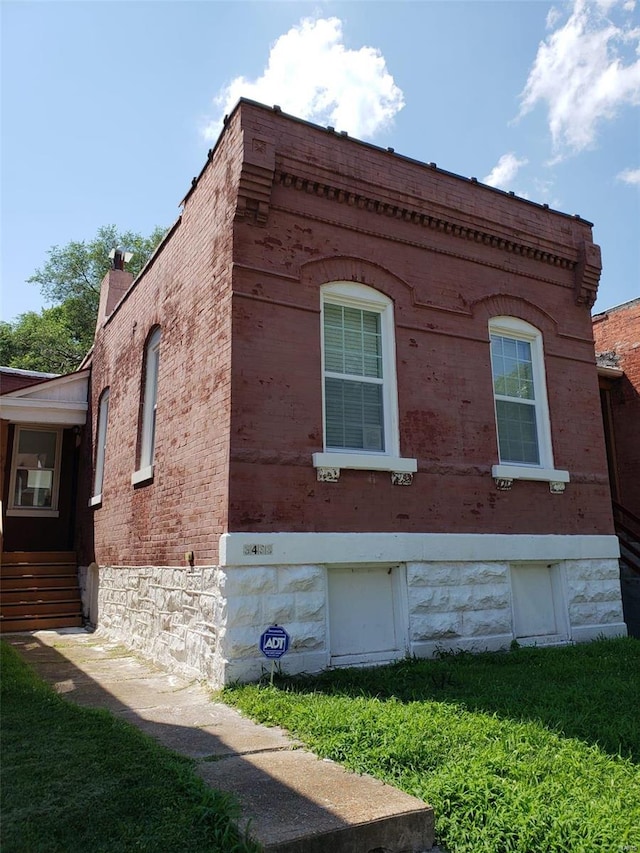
(294, 802)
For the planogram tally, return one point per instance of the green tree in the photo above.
(46, 341)
(56, 339)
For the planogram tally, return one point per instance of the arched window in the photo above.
(359, 389)
(523, 426)
(101, 447)
(149, 406)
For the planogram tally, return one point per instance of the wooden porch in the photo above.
(38, 590)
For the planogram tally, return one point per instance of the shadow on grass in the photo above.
(589, 691)
(77, 776)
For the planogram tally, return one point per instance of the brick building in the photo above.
(355, 395)
(617, 341)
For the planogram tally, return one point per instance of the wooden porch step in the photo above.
(37, 557)
(36, 609)
(17, 596)
(39, 623)
(21, 570)
(39, 589)
(44, 582)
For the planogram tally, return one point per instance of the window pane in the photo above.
(35, 467)
(150, 400)
(517, 432)
(352, 341)
(36, 448)
(512, 368)
(354, 415)
(101, 443)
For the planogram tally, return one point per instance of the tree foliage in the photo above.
(56, 339)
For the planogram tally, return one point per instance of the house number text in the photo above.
(257, 549)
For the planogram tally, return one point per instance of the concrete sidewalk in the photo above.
(292, 801)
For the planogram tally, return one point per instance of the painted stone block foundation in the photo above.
(205, 622)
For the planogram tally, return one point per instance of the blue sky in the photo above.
(108, 108)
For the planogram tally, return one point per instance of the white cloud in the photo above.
(630, 176)
(311, 74)
(504, 171)
(580, 72)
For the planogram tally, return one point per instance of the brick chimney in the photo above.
(114, 285)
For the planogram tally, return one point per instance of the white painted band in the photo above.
(345, 548)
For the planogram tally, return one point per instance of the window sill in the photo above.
(143, 475)
(96, 500)
(33, 512)
(365, 462)
(524, 472)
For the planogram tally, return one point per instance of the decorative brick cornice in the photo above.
(588, 271)
(254, 193)
(417, 217)
(256, 180)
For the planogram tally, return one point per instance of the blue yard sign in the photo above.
(274, 642)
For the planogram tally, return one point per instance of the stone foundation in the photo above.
(206, 622)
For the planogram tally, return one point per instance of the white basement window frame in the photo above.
(145, 469)
(369, 367)
(34, 483)
(520, 396)
(101, 447)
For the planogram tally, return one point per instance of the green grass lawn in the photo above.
(76, 780)
(530, 751)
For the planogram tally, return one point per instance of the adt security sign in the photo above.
(274, 642)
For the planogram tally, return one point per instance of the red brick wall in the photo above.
(10, 381)
(618, 330)
(186, 291)
(444, 289)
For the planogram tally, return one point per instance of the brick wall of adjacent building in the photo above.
(618, 331)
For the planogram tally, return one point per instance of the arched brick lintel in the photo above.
(504, 305)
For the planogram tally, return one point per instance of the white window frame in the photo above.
(145, 468)
(35, 512)
(365, 298)
(101, 447)
(516, 329)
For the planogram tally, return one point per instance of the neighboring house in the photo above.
(617, 339)
(354, 395)
(42, 416)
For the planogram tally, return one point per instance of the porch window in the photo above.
(35, 471)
